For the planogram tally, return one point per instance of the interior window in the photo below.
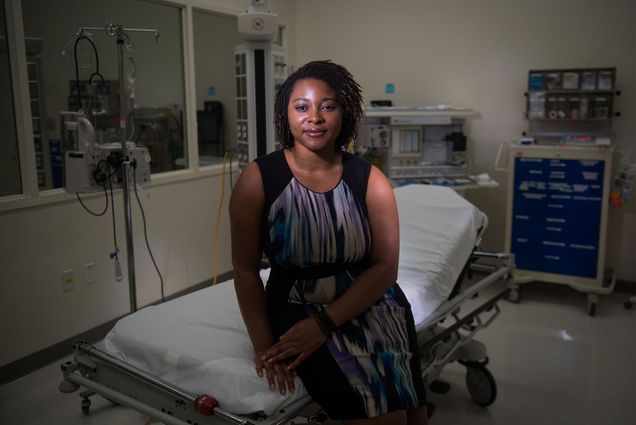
(215, 38)
(66, 75)
(10, 181)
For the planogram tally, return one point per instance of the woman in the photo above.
(327, 220)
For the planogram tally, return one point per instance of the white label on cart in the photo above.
(590, 175)
(555, 220)
(549, 243)
(590, 247)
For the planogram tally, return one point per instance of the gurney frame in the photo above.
(100, 373)
(440, 345)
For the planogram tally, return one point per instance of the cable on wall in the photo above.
(143, 216)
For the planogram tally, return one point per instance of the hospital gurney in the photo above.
(189, 361)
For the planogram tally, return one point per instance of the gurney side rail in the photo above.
(95, 352)
(454, 303)
(124, 400)
(442, 346)
(447, 332)
(110, 377)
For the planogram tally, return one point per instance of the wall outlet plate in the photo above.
(67, 280)
(89, 273)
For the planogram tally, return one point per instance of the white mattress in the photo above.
(438, 231)
(199, 341)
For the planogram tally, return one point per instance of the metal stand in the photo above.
(122, 36)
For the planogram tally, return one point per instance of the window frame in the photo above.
(31, 194)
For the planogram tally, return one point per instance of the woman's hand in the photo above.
(275, 372)
(302, 339)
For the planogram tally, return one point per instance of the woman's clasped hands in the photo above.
(279, 363)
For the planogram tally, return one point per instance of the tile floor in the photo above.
(553, 364)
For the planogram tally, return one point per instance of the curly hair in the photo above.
(348, 97)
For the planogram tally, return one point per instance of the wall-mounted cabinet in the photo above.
(571, 94)
(571, 104)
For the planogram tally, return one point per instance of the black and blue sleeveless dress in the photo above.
(317, 243)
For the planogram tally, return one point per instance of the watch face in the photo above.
(258, 24)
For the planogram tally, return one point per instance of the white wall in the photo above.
(478, 53)
(38, 243)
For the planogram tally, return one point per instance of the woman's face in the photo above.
(315, 118)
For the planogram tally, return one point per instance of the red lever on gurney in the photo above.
(205, 404)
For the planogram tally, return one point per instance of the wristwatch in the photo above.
(327, 326)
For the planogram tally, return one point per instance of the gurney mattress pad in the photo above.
(199, 342)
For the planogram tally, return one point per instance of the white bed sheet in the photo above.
(199, 341)
(438, 231)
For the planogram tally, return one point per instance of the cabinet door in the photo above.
(557, 206)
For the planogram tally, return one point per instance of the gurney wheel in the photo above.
(515, 295)
(86, 406)
(481, 385)
(628, 304)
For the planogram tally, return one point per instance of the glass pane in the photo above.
(10, 181)
(215, 38)
(153, 79)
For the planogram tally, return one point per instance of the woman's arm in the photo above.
(368, 287)
(246, 209)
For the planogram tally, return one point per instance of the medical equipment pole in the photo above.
(119, 32)
(130, 253)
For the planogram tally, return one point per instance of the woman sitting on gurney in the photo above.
(332, 311)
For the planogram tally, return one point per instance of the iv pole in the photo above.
(122, 36)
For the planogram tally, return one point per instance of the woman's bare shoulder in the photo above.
(248, 191)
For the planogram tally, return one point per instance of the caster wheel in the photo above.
(430, 409)
(514, 296)
(481, 385)
(591, 309)
(439, 387)
(86, 406)
(628, 305)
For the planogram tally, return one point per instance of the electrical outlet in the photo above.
(89, 273)
(67, 280)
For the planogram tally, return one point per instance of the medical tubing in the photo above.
(77, 80)
(231, 178)
(88, 210)
(231, 152)
(215, 258)
(143, 216)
